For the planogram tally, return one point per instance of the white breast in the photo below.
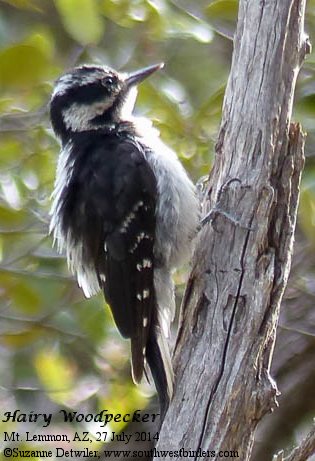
(86, 276)
(177, 207)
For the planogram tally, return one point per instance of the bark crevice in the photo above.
(241, 263)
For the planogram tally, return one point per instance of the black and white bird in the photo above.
(124, 209)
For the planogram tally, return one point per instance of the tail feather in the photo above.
(159, 361)
(137, 359)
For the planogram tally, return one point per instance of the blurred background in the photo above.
(57, 349)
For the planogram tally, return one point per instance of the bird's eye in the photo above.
(108, 81)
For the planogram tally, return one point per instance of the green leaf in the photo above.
(56, 373)
(22, 66)
(307, 207)
(10, 151)
(81, 19)
(212, 107)
(9, 218)
(25, 298)
(43, 41)
(222, 15)
(21, 338)
(32, 5)
(122, 398)
(91, 318)
(306, 105)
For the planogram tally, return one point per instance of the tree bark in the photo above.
(302, 452)
(242, 259)
(293, 362)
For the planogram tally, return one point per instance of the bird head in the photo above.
(89, 97)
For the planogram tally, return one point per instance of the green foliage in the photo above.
(222, 15)
(55, 341)
(81, 20)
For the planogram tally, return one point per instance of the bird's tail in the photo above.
(159, 361)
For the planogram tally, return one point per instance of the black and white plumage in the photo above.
(123, 209)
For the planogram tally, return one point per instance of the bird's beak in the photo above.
(139, 75)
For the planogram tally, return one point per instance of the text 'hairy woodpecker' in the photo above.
(123, 209)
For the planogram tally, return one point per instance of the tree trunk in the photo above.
(294, 360)
(242, 258)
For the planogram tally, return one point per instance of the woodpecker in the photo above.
(124, 210)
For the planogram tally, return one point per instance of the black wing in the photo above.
(129, 258)
(110, 207)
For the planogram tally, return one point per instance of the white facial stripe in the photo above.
(129, 104)
(62, 86)
(78, 116)
(66, 81)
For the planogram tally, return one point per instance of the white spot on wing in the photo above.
(147, 262)
(145, 294)
(138, 205)
(126, 222)
(133, 248)
(139, 239)
(141, 236)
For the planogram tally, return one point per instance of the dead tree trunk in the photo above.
(242, 260)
